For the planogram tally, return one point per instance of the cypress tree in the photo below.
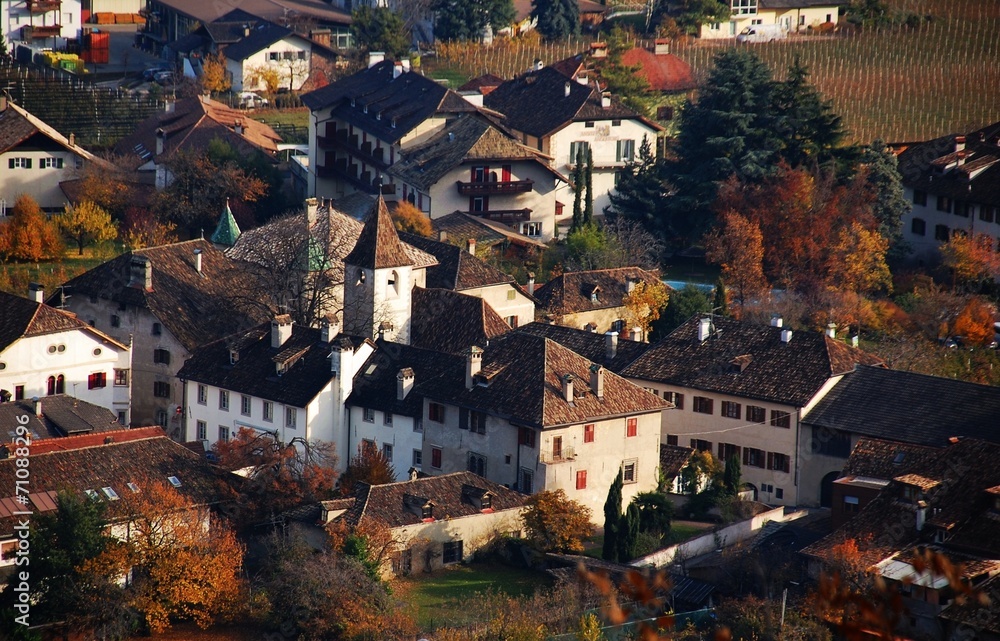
(720, 304)
(731, 478)
(612, 519)
(588, 206)
(577, 191)
(628, 534)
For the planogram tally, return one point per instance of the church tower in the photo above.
(378, 281)
(227, 232)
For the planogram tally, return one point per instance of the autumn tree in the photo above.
(556, 523)
(971, 259)
(644, 305)
(277, 476)
(214, 75)
(612, 518)
(737, 245)
(109, 184)
(858, 262)
(87, 223)
(266, 75)
(369, 466)
(28, 235)
(974, 323)
(380, 29)
(406, 217)
(141, 228)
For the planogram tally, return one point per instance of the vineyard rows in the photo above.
(900, 86)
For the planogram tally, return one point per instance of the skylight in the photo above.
(94, 496)
(176, 482)
(132, 486)
(110, 493)
(899, 457)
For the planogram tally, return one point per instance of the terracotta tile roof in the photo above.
(664, 72)
(22, 318)
(79, 441)
(386, 107)
(451, 322)
(590, 345)
(483, 84)
(467, 140)
(375, 385)
(459, 227)
(977, 180)
(571, 292)
(536, 103)
(256, 372)
(673, 458)
(972, 615)
(195, 308)
(787, 373)
(452, 495)
(885, 460)
(193, 123)
(378, 245)
(17, 125)
(456, 268)
(62, 416)
(206, 12)
(142, 461)
(522, 381)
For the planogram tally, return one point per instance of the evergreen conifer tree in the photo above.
(588, 203)
(578, 187)
(720, 303)
(556, 18)
(628, 534)
(612, 519)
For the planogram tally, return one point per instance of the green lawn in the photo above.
(15, 277)
(297, 117)
(441, 596)
(454, 77)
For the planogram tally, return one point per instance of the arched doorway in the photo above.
(826, 489)
(752, 487)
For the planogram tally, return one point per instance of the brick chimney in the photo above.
(140, 273)
(567, 381)
(36, 292)
(610, 345)
(404, 383)
(281, 330)
(597, 380)
(473, 363)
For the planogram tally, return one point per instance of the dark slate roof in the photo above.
(262, 35)
(457, 269)
(452, 322)
(521, 381)
(486, 81)
(145, 461)
(536, 104)
(375, 383)
(877, 459)
(229, 28)
(971, 614)
(926, 410)
(570, 292)
(467, 140)
(800, 4)
(378, 245)
(932, 167)
(195, 308)
(672, 459)
(458, 227)
(207, 12)
(590, 345)
(305, 356)
(22, 318)
(406, 101)
(787, 373)
(398, 504)
(62, 416)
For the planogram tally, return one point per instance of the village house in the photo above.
(791, 15)
(559, 116)
(953, 185)
(529, 413)
(593, 299)
(54, 417)
(167, 301)
(433, 521)
(472, 167)
(448, 322)
(35, 158)
(742, 390)
(45, 352)
(40, 24)
(496, 238)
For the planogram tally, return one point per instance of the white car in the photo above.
(250, 100)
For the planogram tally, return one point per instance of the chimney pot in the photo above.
(606, 100)
(406, 64)
(397, 70)
(36, 292)
(281, 330)
(786, 336)
(636, 334)
(471, 245)
(37, 402)
(72, 140)
(567, 89)
(704, 329)
(776, 320)
(329, 328)
(375, 57)
(197, 260)
(312, 209)
(581, 78)
(140, 273)
(530, 285)
(597, 380)
(610, 345)
(831, 330)
(473, 364)
(404, 383)
(959, 143)
(538, 64)
(385, 330)
(567, 380)
(661, 46)
(442, 236)
(161, 140)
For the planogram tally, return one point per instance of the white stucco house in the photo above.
(40, 23)
(271, 47)
(792, 15)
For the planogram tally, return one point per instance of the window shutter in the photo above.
(786, 463)
(10, 163)
(27, 163)
(463, 418)
(722, 452)
(618, 151)
(746, 456)
(770, 460)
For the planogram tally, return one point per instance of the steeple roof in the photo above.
(227, 230)
(378, 246)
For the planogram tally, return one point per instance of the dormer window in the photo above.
(593, 296)
(234, 356)
(487, 501)
(427, 512)
(910, 493)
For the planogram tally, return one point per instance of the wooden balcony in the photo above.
(366, 152)
(561, 455)
(37, 32)
(508, 216)
(340, 170)
(489, 188)
(42, 6)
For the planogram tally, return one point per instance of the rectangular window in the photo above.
(941, 232)
(157, 329)
(575, 148)
(589, 124)
(557, 448)
(511, 321)
(629, 471)
(97, 380)
(451, 552)
(631, 427)
(387, 418)
(778, 462)
(387, 451)
(581, 479)
(526, 481)
(780, 418)
(962, 209)
(702, 405)
(19, 392)
(52, 163)
(202, 431)
(943, 203)
(202, 395)
(918, 227)
(223, 433)
(435, 412)
(851, 504)
(223, 400)
(986, 213)
(161, 389)
(779, 493)
(19, 163)
(368, 415)
(920, 197)
(526, 436)
(245, 405)
(625, 150)
(472, 420)
(268, 411)
(756, 414)
(753, 457)
(531, 229)
(418, 458)
(731, 409)
(676, 398)
(700, 445)
(161, 356)
(290, 414)
(672, 439)
(588, 433)
(436, 458)
(121, 377)
(728, 451)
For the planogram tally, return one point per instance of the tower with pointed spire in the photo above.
(378, 280)
(227, 231)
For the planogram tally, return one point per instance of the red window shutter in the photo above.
(633, 424)
(581, 480)
(505, 173)
(588, 433)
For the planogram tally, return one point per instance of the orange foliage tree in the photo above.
(971, 259)
(406, 217)
(858, 261)
(140, 228)
(737, 245)
(974, 322)
(554, 522)
(29, 235)
(369, 466)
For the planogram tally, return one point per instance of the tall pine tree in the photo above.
(557, 19)
(628, 534)
(578, 190)
(720, 302)
(886, 184)
(811, 132)
(612, 519)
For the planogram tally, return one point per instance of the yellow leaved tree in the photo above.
(87, 223)
(644, 304)
(214, 77)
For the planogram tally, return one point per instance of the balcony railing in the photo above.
(340, 170)
(558, 456)
(487, 188)
(42, 6)
(40, 31)
(365, 153)
(504, 215)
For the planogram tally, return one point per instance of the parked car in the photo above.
(164, 77)
(250, 100)
(762, 33)
(149, 73)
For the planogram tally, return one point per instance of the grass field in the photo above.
(902, 85)
(438, 598)
(15, 277)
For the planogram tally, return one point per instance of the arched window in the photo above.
(60, 384)
(393, 284)
(361, 276)
(51, 388)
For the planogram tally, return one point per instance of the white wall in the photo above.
(13, 16)
(926, 246)
(498, 297)
(41, 184)
(402, 435)
(794, 19)
(293, 72)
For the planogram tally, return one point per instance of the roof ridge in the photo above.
(57, 444)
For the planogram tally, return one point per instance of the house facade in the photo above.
(47, 352)
(40, 24)
(269, 48)
(791, 15)
(593, 299)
